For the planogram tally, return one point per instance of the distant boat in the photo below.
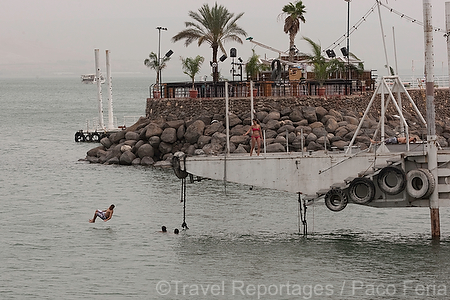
(90, 78)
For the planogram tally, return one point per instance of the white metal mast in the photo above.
(99, 89)
(110, 106)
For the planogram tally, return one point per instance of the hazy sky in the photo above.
(58, 37)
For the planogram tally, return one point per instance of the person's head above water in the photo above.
(164, 229)
(176, 231)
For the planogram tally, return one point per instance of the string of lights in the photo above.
(412, 20)
(370, 11)
(353, 28)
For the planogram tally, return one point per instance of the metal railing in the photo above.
(209, 89)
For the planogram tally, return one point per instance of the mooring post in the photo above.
(431, 122)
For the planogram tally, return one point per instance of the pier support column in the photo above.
(431, 117)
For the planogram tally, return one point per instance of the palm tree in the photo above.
(191, 66)
(322, 67)
(153, 63)
(213, 25)
(295, 13)
(253, 66)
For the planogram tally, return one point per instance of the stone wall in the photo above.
(186, 109)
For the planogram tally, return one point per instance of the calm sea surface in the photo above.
(242, 243)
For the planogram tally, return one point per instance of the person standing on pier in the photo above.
(255, 130)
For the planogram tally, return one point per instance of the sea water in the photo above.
(242, 242)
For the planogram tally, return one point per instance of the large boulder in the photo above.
(213, 148)
(131, 135)
(320, 131)
(234, 120)
(296, 115)
(127, 158)
(273, 115)
(271, 134)
(311, 137)
(180, 132)
(239, 139)
(154, 141)
(275, 147)
(239, 130)
(280, 140)
(309, 113)
(203, 140)
(125, 148)
(313, 146)
(336, 114)
(145, 150)
(240, 149)
(165, 148)
(339, 144)
(169, 135)
(175, 124)
(153, 129)
(261, 115)
(117, 136)
(272, 125)
(214, 127)
(341, 132)
(94, 152)
(283, 129)
(351, 120)
(106, 142)
(331, 125)
(321, 112)
(316, 125)
(147, 161)
(194, 131)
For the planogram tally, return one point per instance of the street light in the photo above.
(159, 28)
(348, 42)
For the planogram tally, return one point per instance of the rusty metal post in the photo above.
(431, 120)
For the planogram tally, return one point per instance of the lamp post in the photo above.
(159, 28)
(348, 44)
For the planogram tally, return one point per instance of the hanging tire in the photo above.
(176, 165)
(276, 69)
(79, 137)
(361, 190)
(420, 183)
(391, 180)
(336, 200)
(96, 137)
(88, 137)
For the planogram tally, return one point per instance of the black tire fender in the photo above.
(420, 183)
(79, 137)
(336, 200)
(276, 69)
(386, 175)
(361, 190)
(96, 137)
(88, 137)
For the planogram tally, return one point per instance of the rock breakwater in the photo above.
(197, 126)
